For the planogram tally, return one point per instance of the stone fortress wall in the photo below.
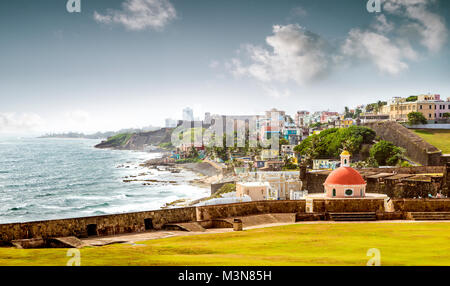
(156, 220)
(417, 149)
(410, 182)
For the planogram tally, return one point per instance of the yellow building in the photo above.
(257, 191)
(428, 109)
(399, 111)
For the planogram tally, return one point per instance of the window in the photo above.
(349, 193)
(420, 107)
(334, 192)
(361, 192)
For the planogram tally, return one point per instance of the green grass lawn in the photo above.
(437, 138)
(301, 244)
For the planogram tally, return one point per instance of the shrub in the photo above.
(415, 118)
(330, 142)
(386, 153)
(227, 188)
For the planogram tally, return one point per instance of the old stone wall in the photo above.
(102, 225)
(348, 205)
(417, 149)
(421, 205)
(210, 216)
(400, 188)
(250, 208)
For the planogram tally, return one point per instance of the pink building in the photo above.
(442, 108)
(345, 182)
(326, 115)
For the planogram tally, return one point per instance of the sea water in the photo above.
(44, 179)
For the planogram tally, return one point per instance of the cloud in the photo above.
(276, 92)
(293, 54)
(299, 11)
(140, 14)
(214, 64)
(13, 122)
(389, 53)
(77, 117)
(388, 56)
(430, 26)
(382, 25)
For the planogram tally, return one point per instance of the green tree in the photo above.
(193, 153)
(386, 153)
(357, 113)
(330, 142)
(415, 118)
(412, 98)
(283, 141)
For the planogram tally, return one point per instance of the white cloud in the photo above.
(140, 14)
(388, 56)
(430, 26)
(295, 54)
(13, 122)
(214, 64)
(299, 11)
(275, 92)
(77, 117)
(382, 25)
(391, 54)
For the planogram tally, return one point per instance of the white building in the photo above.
(188, 114)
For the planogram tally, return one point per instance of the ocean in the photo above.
(43, 179)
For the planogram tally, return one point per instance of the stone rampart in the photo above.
(421, 205)
(210, 216)
(249, 208)
(97, 225)
(417, 149)
(387, 183)
(348, 205)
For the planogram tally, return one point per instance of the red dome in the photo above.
(345, 176)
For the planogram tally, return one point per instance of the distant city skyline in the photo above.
(113, 66)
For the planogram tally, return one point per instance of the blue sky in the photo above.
(133, 63)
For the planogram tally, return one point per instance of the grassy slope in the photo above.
(313, 244)
(438, 138)
(119, 139)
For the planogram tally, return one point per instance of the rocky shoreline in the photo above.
(207, 172)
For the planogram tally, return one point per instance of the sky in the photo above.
(133, 63)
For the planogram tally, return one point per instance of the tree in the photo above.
(387, 154)
(357, 113)
(347, 113)
(283, 141)
(415, 118)
(193, 153)
(330, 142)
(446, 115)
(412, 98)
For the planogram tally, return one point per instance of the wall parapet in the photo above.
(155, 220)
